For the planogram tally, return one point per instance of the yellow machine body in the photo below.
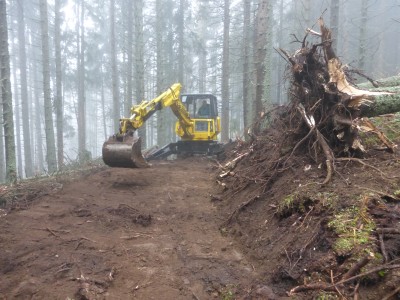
(198, 126)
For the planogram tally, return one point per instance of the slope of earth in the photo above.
(306, 235)
(122, 234)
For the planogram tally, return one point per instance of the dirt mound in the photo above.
(305, 233)
(315, 196)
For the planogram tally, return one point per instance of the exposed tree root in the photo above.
(320, 128)
(331, 287)
(392, 293)
(383, 248)
(357, 266)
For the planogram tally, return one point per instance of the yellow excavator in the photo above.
(198, 126)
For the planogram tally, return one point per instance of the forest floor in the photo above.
(112, 233)
(171, 232)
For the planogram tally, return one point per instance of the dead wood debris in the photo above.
(322, 121)
(328, 104)
(91, 288)
(331, 287)
(22, 194)
(357, 266)
(322, 124)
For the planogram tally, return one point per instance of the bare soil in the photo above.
(171, 232)
(121, 234)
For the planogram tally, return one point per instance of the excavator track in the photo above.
(124, 152)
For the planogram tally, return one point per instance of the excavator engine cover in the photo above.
(124, 152)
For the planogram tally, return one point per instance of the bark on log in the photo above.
(385, 82)
(381, 105)
(390, 89)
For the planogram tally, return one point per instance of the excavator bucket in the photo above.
(124, 153)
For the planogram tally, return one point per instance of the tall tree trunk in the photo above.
(203, 14)
(114, 68)
(81, 84)
(24, 91)
(280, 85)
(2, 160)
(17, 114)
(267, 101)
(39, 166)
(306, 12)
(261, 28)
(334, 23)
(103, 109)
(362, 48)
(139, 62)
(6, 96)
(246, 69)
(161, 115)
(59, 99)
(48, 108)
(181, 26)
(129, 67)
(225, 76)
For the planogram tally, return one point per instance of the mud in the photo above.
(149, 233)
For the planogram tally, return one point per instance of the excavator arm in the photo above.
(142, 112)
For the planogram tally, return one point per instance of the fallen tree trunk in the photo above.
(381, 105)
(382, 83)
(390, 89)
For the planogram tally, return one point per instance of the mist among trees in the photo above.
(71, 68)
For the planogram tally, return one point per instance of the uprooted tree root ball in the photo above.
(311, 196)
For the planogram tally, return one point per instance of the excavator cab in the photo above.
(200, 105)
(203, 110)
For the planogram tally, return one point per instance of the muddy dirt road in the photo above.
(124, 234)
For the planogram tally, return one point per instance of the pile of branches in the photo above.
(324, 118)
(321, 125)
(328, 104)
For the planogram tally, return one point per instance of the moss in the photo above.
(326, 296)
(390, 126)
(353, 226)
(301, 202)
(343, 245)
(228, 292)
(328, 199)
(382, 273)
(286, 206)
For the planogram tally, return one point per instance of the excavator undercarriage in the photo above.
(186, 148)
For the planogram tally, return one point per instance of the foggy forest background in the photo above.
(77, 66)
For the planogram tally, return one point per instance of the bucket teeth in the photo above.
(125, 153)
